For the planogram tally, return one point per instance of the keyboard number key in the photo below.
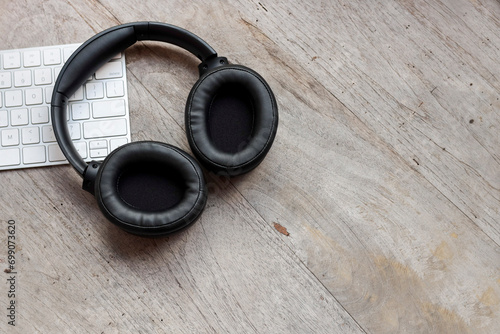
(43, 76)
(39, 115)
(5, 80)
(10, 137)
(22, 78)
(34, 155)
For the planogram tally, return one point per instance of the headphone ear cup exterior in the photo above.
(231, 119)
(150, 188)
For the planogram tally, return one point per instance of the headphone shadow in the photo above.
(132, 247)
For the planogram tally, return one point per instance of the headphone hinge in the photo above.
(90, 175)
(211, 63)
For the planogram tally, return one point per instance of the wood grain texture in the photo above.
(385, 173)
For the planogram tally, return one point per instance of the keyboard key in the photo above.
(57, 70)
(51, 57)
(4, 118)
(77, 96)
(0, 99)
(99, 153)
(11, 60)
(117, 127)
(48, 134)
(33, 96)
(117, 142)
(10, 157)
(30, 135)
(22, 78)
(108, 108)
(34, 155)
(80, 111)
(13, 98)
(55, 153)
(114, 89)
(96, 144)
(81, 148)
(74, 131)
(68, 52)
(39, 115)
(43, 76)
(5, 80)
(48, 94)
(95, 90)
(19, 117)
(10, 137)
(112, 69)
(31, 58)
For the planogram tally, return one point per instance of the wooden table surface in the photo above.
(385, 172)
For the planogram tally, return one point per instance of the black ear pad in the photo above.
(150, 188)
(231, 119)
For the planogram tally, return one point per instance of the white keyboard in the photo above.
(98, 114)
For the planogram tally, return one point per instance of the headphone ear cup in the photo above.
(150, 188)
(231, 119)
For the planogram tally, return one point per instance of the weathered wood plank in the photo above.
(394, 184)
(389, 192)
(228, 273)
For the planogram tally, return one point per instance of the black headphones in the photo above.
(151, 188)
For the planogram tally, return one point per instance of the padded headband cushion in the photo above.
(231, 119)
(150, 188)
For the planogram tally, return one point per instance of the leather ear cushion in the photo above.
(265, 120)
(150, 188)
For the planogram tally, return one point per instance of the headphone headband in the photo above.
(98, 50)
